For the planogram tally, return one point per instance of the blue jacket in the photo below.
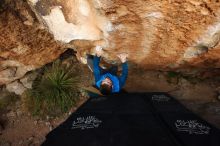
(118, 82)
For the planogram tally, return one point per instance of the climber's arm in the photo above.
(124, 75)
(96, 71)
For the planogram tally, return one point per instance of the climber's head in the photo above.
(106, 86)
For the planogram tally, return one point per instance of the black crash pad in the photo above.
(133, 119)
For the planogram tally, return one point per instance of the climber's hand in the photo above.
(123, 57)
(99, 51)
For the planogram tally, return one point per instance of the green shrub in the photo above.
(55, 91)
(172, 74)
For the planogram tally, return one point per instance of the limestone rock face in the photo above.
(155, 34)
(24, 46)
(15, 87)
(168, 35)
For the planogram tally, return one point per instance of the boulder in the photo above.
(157, 35)
(16, 87)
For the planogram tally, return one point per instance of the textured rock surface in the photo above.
(24, 46)
(171, 34)
(156, 34)
(15, 87)
(28, 79)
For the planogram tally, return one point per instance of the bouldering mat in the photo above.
(133, 119)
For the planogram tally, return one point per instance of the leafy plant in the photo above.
(172, 74)
(55, 91)
(173, 77)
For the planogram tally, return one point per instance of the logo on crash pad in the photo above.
(86, 123)
(160, 98)
(192, 127)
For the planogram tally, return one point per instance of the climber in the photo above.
(107, 81)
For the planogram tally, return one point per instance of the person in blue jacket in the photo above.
(107, 81)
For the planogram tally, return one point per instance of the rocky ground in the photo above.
(199, 95)
(19, 127)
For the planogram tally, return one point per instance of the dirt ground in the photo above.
(23, 129)
(200, 96)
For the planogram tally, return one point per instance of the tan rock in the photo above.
(7, 75)
(196, 2)
(122, 11)
(28, 79)
(204, 11)
(190, 8)
(156, 34)
(16, 87)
